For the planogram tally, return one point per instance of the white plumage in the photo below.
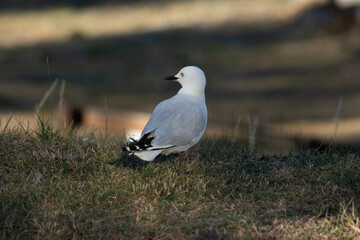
(177, 123)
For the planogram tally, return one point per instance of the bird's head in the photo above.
(192, 80)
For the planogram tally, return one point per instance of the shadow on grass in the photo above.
(136, 163)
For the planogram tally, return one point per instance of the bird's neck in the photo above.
(193, 91)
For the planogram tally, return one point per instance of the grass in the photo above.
(82, 187)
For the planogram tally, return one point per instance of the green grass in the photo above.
(87, 189)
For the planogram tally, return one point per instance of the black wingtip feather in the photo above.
(125, 149)
(143, 144)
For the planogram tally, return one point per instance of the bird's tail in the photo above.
(141, 145)
(144, 148)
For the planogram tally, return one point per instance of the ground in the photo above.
(61, 187)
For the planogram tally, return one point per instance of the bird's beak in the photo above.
(171, 78)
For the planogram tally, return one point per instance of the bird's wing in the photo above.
(177, 121)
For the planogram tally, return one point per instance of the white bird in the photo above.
(177, 123)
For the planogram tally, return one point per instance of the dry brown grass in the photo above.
(88, 189)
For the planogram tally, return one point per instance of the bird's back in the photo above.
(179, 121)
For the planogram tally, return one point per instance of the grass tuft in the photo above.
(60, 187)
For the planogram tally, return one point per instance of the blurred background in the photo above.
(280, 73)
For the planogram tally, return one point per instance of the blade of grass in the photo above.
(337, 115)
(46, 96)
(106, 118)
(48, 68)
(7, 123)
(62, 120)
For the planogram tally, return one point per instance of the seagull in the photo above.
(177, 123)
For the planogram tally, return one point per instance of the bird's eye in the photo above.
(182, 74)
